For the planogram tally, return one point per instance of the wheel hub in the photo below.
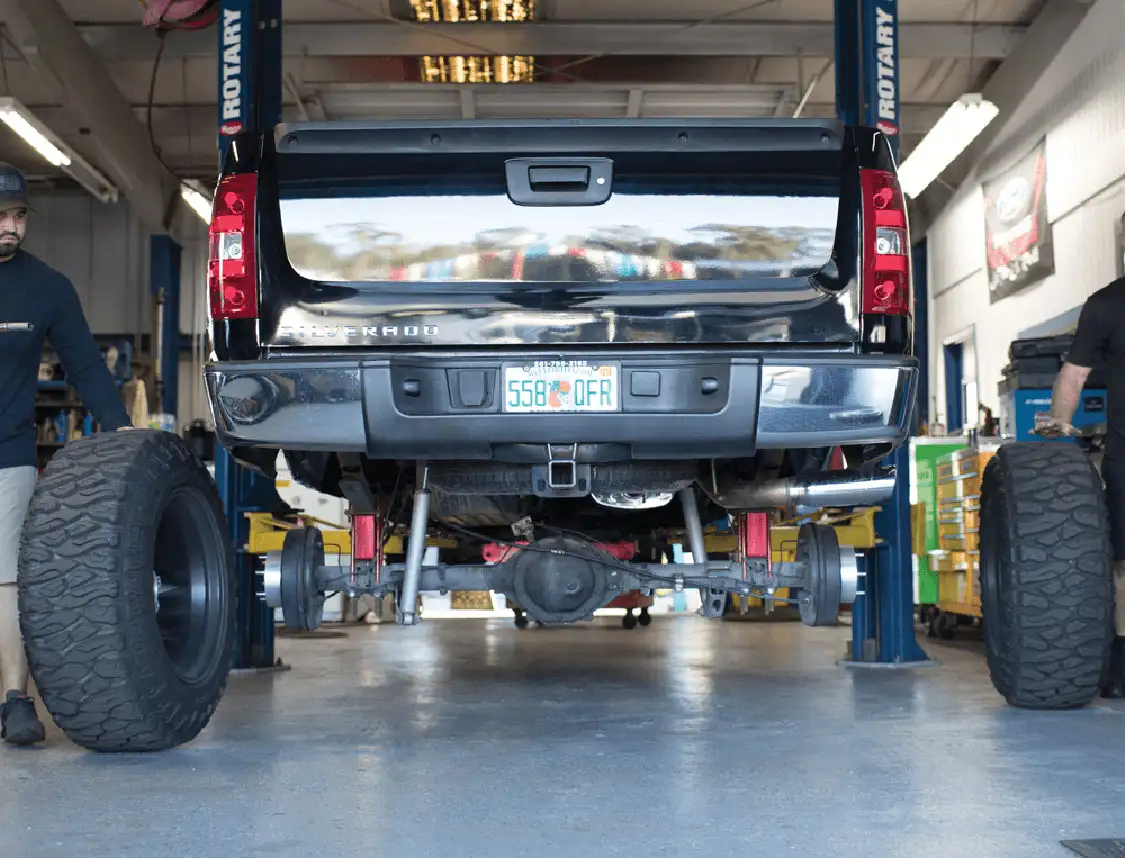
(290, 579)
(819, 549)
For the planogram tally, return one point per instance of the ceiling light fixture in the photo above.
(192, 194)
(476, 69)
(22, 121)
(951, 135)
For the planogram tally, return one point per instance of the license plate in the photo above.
(561, 387)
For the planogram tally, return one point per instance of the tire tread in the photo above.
(1054, 599)
(79, 607)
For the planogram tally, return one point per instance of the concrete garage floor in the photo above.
(468, 738)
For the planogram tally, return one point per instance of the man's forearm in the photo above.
(101, 397)
(1067, 392)
(83, 363)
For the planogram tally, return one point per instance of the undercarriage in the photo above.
(558, 575)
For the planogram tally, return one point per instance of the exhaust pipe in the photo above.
(838, 488)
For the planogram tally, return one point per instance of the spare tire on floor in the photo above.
(126, 591)
(1046, 575)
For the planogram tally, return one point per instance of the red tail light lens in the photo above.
(886, 246)
(232, 273)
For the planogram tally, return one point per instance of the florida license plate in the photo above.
(561, 387)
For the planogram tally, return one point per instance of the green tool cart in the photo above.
(924, 454)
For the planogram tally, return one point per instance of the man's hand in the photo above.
(1052, 427)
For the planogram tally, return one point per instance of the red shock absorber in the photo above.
(367, 544)
(753, 539)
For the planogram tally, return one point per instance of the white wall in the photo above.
(1080, 107)
(193, 321)
(104, 250)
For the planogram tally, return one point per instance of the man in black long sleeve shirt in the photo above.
(36, 303)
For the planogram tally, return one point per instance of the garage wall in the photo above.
(103, 249)
(1080, 107)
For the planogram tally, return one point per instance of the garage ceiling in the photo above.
(351, 59)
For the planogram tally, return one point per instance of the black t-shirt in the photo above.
(1099, 343)
(37, 302)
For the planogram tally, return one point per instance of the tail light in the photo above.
(232, 272)
(886, 246)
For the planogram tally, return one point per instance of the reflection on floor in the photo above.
(689, 738)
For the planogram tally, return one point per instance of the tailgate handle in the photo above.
(559, 181)
(559, 178)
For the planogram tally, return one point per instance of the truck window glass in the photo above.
(468, 230)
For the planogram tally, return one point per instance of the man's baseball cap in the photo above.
(13, 186)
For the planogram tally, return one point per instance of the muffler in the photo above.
(831, 489)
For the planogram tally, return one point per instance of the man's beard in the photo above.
(9, 244)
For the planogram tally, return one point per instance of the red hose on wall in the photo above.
(180, 14)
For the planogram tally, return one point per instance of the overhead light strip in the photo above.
(23, 122)
(192, 194)
(951, 135)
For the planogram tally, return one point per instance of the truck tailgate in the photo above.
(576, 233)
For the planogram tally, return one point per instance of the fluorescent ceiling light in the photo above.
(51, 153)
(959, 126)
(196, 200)
(16, 115)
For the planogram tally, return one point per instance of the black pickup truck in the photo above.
(555, 349)
(649, 292)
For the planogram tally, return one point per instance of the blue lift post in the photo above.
(244, 491)
(249, 34)
(867, 92)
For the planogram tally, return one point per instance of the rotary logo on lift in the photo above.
(886, 70)
(230, 86)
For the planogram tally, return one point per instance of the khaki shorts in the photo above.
(17, 485)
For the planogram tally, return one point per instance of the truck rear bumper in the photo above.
(691, 405)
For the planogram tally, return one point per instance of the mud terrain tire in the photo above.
(126, 592)
(1046, 575)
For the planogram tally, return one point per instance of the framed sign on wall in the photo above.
(1019, 241)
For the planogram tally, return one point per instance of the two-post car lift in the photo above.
(867, 75)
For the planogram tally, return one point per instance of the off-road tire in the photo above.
(1046, 575)
(86, 592)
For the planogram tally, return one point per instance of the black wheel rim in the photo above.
(189, 591)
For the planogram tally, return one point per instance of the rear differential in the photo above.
(560, 579)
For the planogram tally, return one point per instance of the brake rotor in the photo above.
(819, 549)
(302, 600)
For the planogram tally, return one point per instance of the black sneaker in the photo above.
(19, 723)
(1113, 684)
